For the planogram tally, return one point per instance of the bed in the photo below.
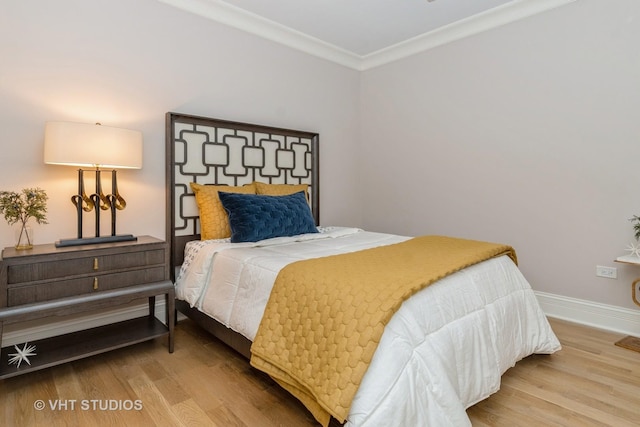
(443, 348)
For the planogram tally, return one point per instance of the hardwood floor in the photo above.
(590, 382)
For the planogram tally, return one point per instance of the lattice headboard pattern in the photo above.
(213, 151)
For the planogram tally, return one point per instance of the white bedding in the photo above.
(444, 350)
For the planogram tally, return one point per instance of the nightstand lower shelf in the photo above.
(77, 345)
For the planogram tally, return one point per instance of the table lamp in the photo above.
(96, 147)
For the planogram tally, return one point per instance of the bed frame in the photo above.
(213, 151)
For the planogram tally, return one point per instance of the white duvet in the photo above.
(443, 351)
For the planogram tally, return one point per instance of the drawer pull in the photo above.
(95, 283)
(95, 263)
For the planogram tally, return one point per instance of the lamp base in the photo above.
(95, 240)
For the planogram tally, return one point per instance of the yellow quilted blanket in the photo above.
(325, 316)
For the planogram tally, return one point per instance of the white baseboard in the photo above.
(602, 316)
(45, 328)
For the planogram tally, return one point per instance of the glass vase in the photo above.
(24, 237)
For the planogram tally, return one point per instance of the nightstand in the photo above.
(630, 342)
(633, 260)
(46, 281)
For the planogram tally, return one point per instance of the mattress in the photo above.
(443, 351)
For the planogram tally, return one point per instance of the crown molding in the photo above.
(492, 18)
(241, 19)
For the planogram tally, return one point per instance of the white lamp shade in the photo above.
(88, 145)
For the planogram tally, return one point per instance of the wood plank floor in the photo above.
(591, 382)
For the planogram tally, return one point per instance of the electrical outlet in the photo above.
(608, 272)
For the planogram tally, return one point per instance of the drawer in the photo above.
(47, 270)
(28, 294)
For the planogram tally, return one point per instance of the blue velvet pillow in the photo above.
(254, 217)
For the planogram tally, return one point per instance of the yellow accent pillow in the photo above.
(281, 189)
(214, 221)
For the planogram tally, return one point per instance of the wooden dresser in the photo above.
(48, 282)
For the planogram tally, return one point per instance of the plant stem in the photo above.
(23, 230)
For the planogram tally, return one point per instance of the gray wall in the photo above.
(526, 134)
(126, 63)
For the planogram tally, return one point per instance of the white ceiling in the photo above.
(362, 34)
(365, 26)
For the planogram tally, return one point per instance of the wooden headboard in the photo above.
(213, 151)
